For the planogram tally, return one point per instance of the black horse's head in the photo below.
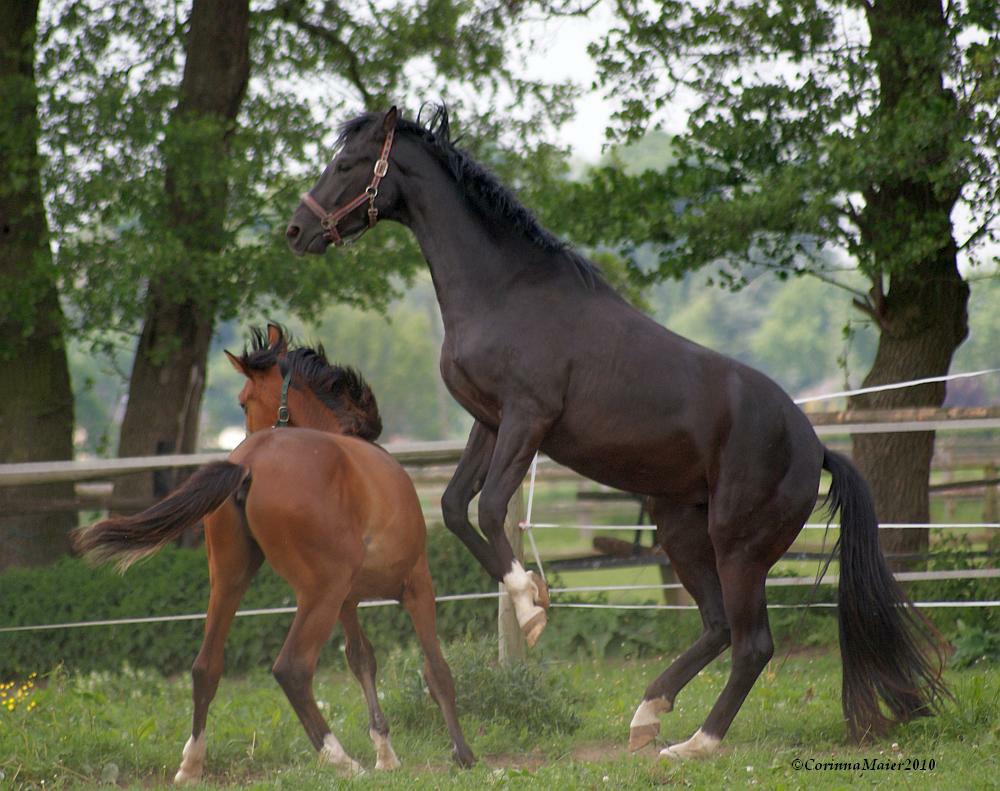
(354, 189)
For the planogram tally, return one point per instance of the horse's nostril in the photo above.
(292, 231)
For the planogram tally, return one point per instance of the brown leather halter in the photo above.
(329, 220)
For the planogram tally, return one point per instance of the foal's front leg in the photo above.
(518, 440)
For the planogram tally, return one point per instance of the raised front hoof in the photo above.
(463, 757)
(534, 627)
(641, 735)
(541, 597)
(700, 745)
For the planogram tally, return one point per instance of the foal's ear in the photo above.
(276, 339)
(389, 120)
(237, 363)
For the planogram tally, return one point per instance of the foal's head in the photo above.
(320, 395)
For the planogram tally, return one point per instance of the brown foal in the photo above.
(334, 514)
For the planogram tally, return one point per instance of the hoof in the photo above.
(700, 745)
(387, 765)
(541, 590)
(641, 735)
(534, 627)
(464, 757)
(183, 778)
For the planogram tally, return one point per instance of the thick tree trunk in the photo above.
(925, 316)
(168, 375)
(906, 226)
(36, 400)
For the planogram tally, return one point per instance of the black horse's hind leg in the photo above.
(752, 648)
(683, 534)
(466, 484)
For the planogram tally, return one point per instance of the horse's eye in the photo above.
(243, 407)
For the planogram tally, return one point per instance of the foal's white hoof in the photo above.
(700, 745)
(192, 762)
(386, 759)
(183, 778)
(332, 753)
(541, 592)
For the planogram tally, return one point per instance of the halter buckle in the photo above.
(381, 167)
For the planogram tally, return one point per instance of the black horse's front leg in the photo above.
(518, 439)
(466, 484)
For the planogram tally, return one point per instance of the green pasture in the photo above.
(555, 724)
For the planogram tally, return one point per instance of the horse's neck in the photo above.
(311, 413)
(468, 262)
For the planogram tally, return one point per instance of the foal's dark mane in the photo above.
(340, 388)
(482, 189)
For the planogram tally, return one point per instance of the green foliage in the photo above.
(526, 698)
(814, 125)
(175, 582)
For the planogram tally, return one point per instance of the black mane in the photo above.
(481, 188)
(341, 388)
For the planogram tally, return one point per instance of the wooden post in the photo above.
(990, 498)
(512, 645)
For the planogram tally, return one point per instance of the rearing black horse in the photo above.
(546, 356)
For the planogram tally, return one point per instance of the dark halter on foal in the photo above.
(329, 220)
(283, 404)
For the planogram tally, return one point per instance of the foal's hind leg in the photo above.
(361, 659)
(233, 559)
(683, 533)
(319, 605)
(418, 599)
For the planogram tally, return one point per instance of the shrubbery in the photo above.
(174, 582)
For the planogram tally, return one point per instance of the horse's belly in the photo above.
(673, 468)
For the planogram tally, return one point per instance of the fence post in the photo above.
(512, 645)
(990, 500)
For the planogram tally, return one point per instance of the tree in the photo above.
(854, 125)
(174, 188)
(36, 404)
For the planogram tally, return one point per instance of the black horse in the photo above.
(546, 356)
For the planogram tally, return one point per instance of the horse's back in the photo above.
(319, 500)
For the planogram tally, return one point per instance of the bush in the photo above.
(526, 698)
(174, 582)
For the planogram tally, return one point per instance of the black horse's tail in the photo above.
(130, 538)
(892, 655)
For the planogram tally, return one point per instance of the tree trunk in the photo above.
(925, 317)
(36, 399)
(906, 226)
(168, 375)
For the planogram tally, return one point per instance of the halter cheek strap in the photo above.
(330, 220)
(283, 404)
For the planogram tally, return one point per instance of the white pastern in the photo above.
(523, 592)
(192, 761)
(701, 745)
(649, 712)
(386, 757)
(333, 753)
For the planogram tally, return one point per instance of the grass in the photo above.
(560, 724)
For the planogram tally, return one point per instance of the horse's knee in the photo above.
(293, 677)
(754, 652)
(454, 508)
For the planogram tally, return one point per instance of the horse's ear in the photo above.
(276, 339)
(389, 120)
(237, 363)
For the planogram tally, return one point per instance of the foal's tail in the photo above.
(131, 538)
(891, 653)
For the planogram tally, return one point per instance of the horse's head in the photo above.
(355, 187)
(299, 387)
(260, 397)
